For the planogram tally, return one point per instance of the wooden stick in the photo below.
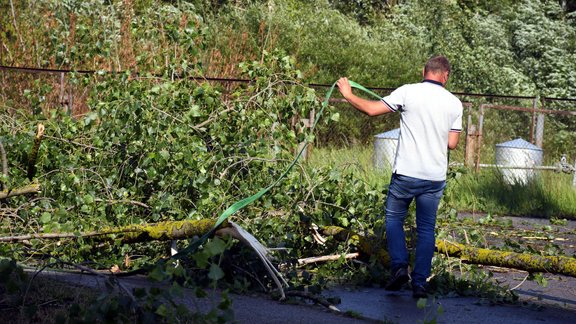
(324, 258)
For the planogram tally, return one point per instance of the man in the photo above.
(430, 124)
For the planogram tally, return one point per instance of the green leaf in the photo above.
(200, 293)
(88, 199)
(45, 218)
(216, 246)
(421, 303)
(151, 172)
(90, 117)
(165, 154)
(162, 310)
(157, 274)
(195, 111)
(216, 272)
(201, 259)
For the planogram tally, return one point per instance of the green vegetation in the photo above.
(150, 144)
(549, 195)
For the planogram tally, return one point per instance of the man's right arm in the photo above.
(456, 129)
(453, 138)
(369, 107)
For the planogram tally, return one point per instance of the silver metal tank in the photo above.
(385, 145)
(516, 158)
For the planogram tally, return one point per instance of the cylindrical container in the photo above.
(520, 154)
(385, 145)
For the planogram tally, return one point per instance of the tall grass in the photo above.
(549, 194)
(355, 159)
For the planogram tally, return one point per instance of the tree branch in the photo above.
(4, 163)
(4, 160)
(31, 188)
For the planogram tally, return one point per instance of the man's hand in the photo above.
(369, 107)
(344, 87)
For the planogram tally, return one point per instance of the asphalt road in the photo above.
(555, 303)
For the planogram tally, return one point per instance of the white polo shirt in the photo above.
(428, 112)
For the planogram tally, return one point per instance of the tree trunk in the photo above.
(522, 261)
(163, 231)
(371, 246)
(167, 231)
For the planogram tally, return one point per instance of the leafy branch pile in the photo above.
(153, 150)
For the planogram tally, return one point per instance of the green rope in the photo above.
(246, 201)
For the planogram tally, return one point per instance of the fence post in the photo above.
(479, 137)
(534, 107)
(470, 143)
(539, 124)
(63, 99)
(308, 122)
(540, 130)
(71, 95)
(312, 120)
(574, 178)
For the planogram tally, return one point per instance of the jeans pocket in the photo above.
(400, 187)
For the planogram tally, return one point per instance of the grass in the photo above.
(549, 195)
(357, 159)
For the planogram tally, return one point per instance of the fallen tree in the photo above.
(170, 231)
(370, 246)
(522, 261)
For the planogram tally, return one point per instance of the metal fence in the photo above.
(519, 135)
(522, 140)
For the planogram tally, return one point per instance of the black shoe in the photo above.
(399, 278)
(419, 292)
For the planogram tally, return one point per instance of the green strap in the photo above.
(246, 201)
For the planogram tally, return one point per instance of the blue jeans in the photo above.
(402, 191)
